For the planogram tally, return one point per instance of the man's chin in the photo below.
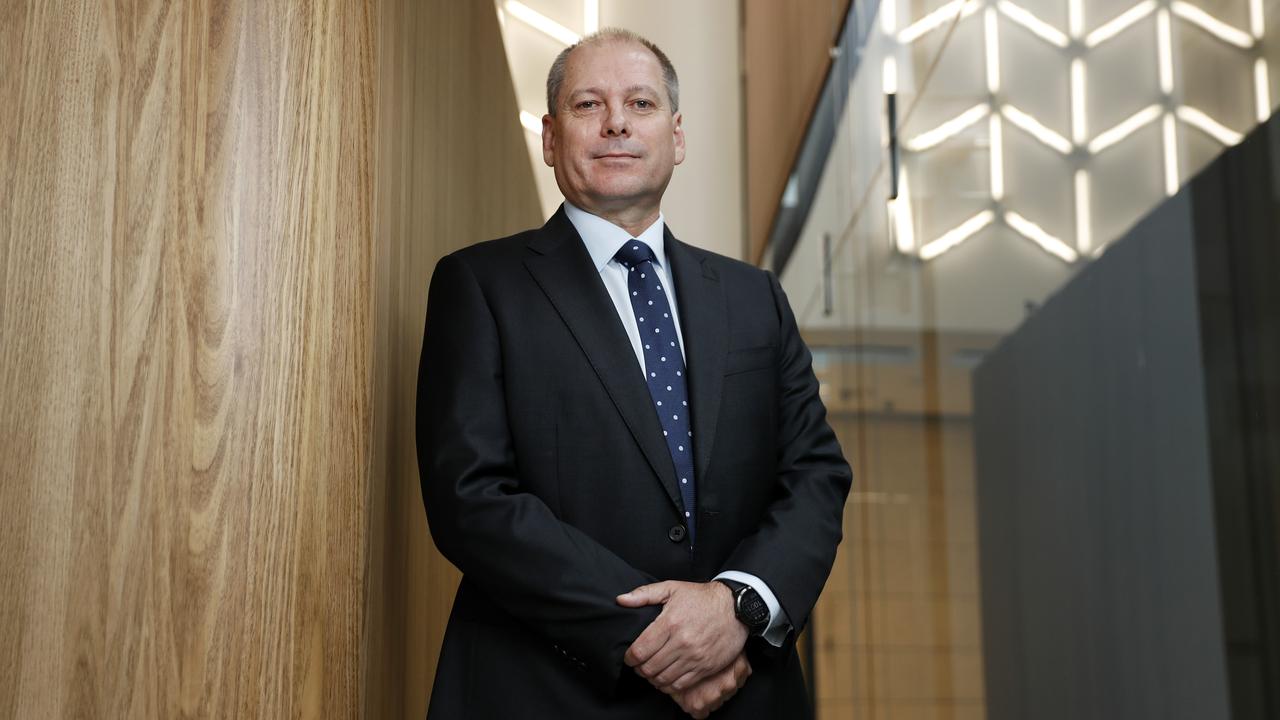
(615, 195)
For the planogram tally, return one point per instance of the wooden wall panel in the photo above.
(219, 225)
(785, 54)
(186, 249)
(453, 170)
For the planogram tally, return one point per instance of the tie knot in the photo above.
(634, 252)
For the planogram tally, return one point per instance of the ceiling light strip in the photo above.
(1212, 25)
(900, 215)
(1084, 217)
(1262, 89)
(540, 22)
(957, 235)
(1036, 129)
(1028, 20)
(889, 17)
(1127, 127)
(991, 33)
(1120, 23)
(1164, 41)
(936, 19)
(997, 157)
(1075, 18)
(948, 129)
(531, 122)
(1203, 122)
(1036, 234)
(1079, 119)
(1171, 179)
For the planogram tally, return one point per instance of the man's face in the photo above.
(614, 139)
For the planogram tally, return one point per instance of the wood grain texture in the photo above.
(219, 227)
(785, 55)
(452, 170)
(186, 317)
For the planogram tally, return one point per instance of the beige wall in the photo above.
(217, 230)
(703, 204)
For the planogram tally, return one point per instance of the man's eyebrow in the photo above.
(585, 91)
(641, 89)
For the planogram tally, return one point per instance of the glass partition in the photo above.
(988, 152)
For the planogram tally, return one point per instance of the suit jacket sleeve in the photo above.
(547, 574)
(794, 545)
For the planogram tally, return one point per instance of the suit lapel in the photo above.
(705, 324)
(564, 270)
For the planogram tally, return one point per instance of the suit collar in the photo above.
(705, 320)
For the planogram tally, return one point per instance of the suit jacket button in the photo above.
(676, 533)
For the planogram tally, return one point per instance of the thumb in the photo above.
(654, 594)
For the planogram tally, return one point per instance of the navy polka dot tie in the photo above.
(664, 365)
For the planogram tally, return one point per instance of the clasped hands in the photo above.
(693, 651)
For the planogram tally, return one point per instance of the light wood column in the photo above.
(786, 52)
(217, 226)
(453, 170)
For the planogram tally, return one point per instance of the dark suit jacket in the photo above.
(547, 480)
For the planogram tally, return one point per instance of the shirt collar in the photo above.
(603, 238)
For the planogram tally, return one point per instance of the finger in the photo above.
(653, 639)
(728, 689)
(653, 594)
(682, 671)
(659, 662)
(686, 681)
(676, 652)
(703, 700)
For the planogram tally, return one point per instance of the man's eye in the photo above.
(644, 104)
(587, 104)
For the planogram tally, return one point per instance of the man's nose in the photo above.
(615, 123)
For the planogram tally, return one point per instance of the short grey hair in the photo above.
(555, 78)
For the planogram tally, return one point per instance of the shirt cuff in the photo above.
(779, 624)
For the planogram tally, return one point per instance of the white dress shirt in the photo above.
(603, 239)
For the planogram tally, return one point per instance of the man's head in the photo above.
(613, 130)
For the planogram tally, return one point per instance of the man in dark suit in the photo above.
(621, 441)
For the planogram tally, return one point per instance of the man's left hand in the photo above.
(695, 636)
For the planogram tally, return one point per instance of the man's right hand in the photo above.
(715, 690)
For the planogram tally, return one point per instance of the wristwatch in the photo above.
(748, 606)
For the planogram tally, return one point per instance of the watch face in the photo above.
(752, 610)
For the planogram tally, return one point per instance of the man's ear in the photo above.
(548, 141)
(678, 132)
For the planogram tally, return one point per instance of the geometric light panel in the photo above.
(1077, 41)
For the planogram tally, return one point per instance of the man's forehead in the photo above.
(632, 55)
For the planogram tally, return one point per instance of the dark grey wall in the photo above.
(1096, 521)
